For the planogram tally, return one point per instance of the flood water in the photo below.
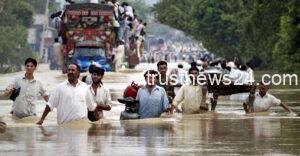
(227, 131)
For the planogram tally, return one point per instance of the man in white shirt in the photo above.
(181, 77)
(264, 101)
(30, 89)
(244, 79)
(101, 95)
(71, 99)
(139, 28)
(250, 71)
(127, 9)
(234, 74)
(120, 52)
(182, 74)
(57, 47)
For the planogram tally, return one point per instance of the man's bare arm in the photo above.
(103, 107)
(8, 92)
(46, 98)
(284, 106)
(45, 113)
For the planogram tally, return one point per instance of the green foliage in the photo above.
(207, 21)
(260, 28)
(39, 5)
(239, 28)
(288, 47)
(24, 12)
(15, 19)
(1, 5)
(17, 12)
(142, 10)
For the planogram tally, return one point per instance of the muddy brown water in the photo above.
(227, 131)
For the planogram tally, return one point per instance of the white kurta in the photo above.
(191, 98)
(71, 102)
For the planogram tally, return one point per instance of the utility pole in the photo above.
(45, 26)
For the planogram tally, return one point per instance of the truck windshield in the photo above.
(89, 52)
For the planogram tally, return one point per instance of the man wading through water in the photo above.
(152, 98)
(165, 81)
(192, 95)
(100, 94)
(30, 88)
(263, 101)
(71, 99)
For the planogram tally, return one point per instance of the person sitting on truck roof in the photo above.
(115, 21)
(128, 9)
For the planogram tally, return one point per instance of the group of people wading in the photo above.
(74, 99)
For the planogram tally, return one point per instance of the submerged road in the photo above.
(227, 131)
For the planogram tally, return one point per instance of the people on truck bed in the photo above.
(127, 27)
(127, 9)
(123, 19)
(263, 101)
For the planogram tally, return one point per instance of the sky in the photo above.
(150, 2)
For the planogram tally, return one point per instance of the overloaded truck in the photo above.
(87, 35)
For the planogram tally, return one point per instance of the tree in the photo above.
(238, 28)
(13, 34)
(206, 21)
(288, 47)
(17, 12)
(38, 5)
(259, 26)
(24, 12)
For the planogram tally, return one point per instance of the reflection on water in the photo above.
(202, 134)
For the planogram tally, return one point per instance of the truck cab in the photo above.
(85, 56)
